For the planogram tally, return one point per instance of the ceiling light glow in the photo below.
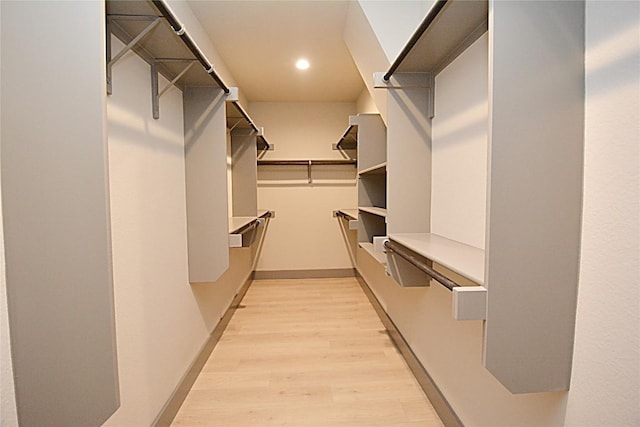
(302, 64)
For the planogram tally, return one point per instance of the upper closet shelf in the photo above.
(374, 210)
(449, 27)
(460, 258)
(374, 170)
(154, 33)
(351, 214)
(349, 140)
(238, 118)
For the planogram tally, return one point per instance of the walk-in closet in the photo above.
(323, 213)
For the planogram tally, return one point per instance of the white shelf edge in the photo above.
(458, 257)
(351, 213)
(381, 257)
(373, 210)
(237, 222)
(376, 169)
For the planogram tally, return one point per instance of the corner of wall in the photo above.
(365, 104)
(367, 53)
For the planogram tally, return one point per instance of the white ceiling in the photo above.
(260, 42)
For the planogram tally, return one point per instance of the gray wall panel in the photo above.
(206, 182)
(56, 213)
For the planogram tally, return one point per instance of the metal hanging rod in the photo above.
(341, 214)
(246, 116)
(393, 247)
(424, 25)
(179, 29)
(307, 163)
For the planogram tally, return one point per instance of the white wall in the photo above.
(304, 236)
(394, 22)
(459, 148)
(161, 320)
(367, 53)
(8, 415)
(365, 103)
(605, 384)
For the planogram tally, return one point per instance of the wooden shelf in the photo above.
(373, 210)
(374, 170)
(381, 257)
(458, 257)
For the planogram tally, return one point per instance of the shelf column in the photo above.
(206, 182)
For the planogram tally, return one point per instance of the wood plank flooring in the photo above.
(306, 352)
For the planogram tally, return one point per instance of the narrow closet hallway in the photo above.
(319, 213)
(306, 352)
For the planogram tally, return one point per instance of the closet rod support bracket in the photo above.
(469, 303)
(233, 95)
(112, 60)
(409, 81)
(155, 92)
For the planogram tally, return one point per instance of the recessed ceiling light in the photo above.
(302, 64)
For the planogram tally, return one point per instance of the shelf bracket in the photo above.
(111, 61)
(155, 93)
(404, 81)
(470, 303)
(309, 172)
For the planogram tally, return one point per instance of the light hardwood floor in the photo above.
(306, 352)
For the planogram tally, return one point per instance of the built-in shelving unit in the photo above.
(527, 274)
(372, 179)
(152, 31)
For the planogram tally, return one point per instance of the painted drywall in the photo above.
(367, 53)
(459, 148)
(394, 22)
(55, 213)
(189, 20)
(365, 104)
(8, 412)
(162, 321)
(304, 235)
(605, 384)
